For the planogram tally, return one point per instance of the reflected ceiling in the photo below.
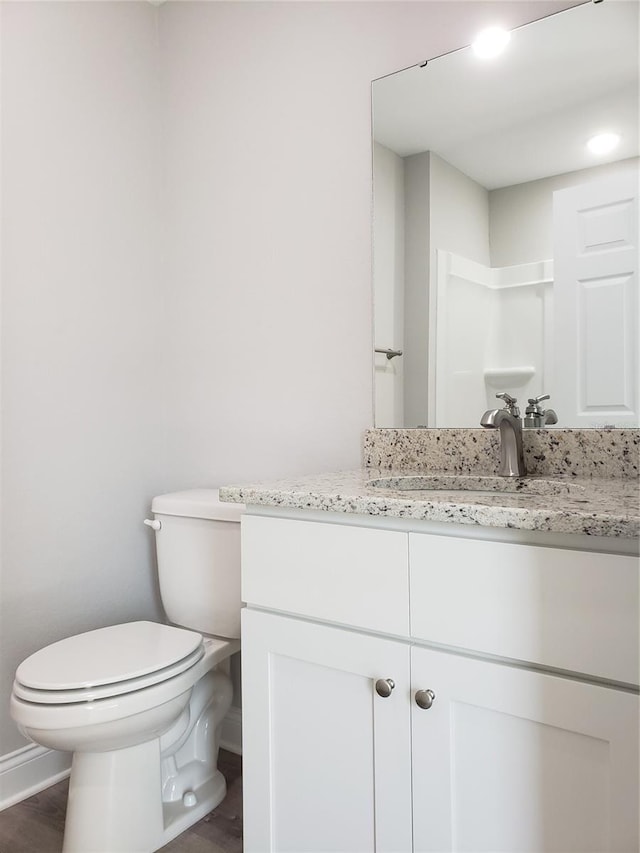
(567, 90)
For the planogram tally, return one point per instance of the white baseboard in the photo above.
(231, 737)
(29, 770)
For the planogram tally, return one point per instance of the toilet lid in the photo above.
(110, 655)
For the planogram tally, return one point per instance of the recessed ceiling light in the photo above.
(603, 143)
(490, 42)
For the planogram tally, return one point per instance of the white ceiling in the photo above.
(528, 113)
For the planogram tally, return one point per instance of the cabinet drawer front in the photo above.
(350, 575)
(571, 610)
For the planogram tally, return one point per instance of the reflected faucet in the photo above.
(508, 421)
(536, 417)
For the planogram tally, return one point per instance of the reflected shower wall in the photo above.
(496, 335)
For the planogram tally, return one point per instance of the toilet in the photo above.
(140, 705)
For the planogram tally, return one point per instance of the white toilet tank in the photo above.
(198, 550)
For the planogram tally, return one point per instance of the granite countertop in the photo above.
(592, 506)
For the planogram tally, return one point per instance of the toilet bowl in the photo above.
(140, 705)
(129, 735)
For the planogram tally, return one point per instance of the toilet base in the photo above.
(114, 806)
(138, 798)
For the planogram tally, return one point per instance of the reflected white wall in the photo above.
(388, 282)
(444, 210)
(521, 216)
(416, 301)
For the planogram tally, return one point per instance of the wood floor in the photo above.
(36, 825)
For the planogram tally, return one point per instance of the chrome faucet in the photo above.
(508, 421)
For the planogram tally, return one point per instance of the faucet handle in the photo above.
(509, 403)
(534, 407)
(533, 401)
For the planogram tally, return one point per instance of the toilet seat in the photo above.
(107, 662)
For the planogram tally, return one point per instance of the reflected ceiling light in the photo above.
(490, 42)
(603, 143)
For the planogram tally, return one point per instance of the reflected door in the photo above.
(596, 304)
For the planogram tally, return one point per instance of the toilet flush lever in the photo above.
(153, 523)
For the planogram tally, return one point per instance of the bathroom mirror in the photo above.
(505, 250)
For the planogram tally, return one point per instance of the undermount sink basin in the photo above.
(477, 486)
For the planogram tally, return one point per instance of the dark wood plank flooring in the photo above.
(36, 825)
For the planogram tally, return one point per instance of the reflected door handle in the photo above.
(425, 699)
(390, 353)
(384, 686)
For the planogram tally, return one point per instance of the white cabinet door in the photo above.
(326, 759)
(512, 760)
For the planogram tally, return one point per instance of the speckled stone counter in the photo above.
(584, 482)
(596, 507)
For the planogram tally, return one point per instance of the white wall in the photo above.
(81, 323)
(260, 364)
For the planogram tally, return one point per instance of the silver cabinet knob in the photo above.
(384, 686)
(425, 699)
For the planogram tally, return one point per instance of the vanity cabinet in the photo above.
(527, 740)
